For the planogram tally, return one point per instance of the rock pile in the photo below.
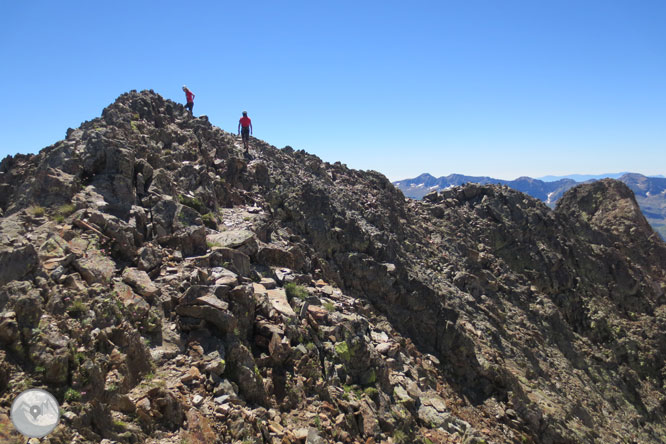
(166, 288)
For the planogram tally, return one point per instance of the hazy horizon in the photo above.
(546, 178)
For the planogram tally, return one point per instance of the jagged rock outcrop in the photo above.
(166, 287)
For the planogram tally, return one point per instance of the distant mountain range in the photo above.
(650, 191)
(587, 177)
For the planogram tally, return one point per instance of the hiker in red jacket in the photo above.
(189, 95)
(245, 128)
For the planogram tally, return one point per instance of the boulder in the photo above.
(222, 276)
(162, 184)
(95, 268)
(53, 186)
(110, 167)
(54, 247)
(235, 260)
(268, 283)
(149, 258)
(242, 305)
(56, 363)
(281, 257)
(140, 282)
(49, 349)
(267, 329)
(186, 217)
(400, 395)
(166, 406)
(138, 359)
(199, 430)
(244, 372)
(28, 310)
(192, 376)
(370, 423)
(191, 240)
(242, 240)
(314, 438)
(201, 302)
(18, 257)
(143, 408)
(318, 313)
(9, 330)
(10, 293)
(278, 300)
(215, 364)
(432, 197)
(136, 305)
(279, 349)
(123, 234)
(433, 412)
(5, 372)
(163, 214)
(122, 403)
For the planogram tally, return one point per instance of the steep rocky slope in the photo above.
(189, 293)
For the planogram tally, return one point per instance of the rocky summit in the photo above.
(168, 288)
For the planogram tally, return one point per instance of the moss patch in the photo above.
(294, 290)
(193, 202)
(342, 350)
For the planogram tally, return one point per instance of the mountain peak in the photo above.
(608, 205)
(157, 278)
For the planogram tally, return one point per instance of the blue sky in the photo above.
(501, 88)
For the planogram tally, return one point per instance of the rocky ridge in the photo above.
(650, 192)
(167, 288)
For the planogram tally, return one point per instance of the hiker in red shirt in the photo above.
(245, 128)
(189, 95)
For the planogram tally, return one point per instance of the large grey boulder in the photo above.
(163, 214)
(140, 282)
(124, 235)
(149, 258)
(202, 302)
(95, 268)
(278, 300)
(281, 257)
(433, 411)
(191, 240)
(242, 240)
(179, 226)
(234, 260)
(242, 369)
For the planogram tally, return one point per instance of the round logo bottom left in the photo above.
(35, 413)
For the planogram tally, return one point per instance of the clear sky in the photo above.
(500, 88)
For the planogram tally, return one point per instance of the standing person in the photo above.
(189, 96)
(245, 129)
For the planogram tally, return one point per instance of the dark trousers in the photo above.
(190, 106)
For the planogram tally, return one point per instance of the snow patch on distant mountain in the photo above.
(550, 197)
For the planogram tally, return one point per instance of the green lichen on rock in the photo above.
(194, 203)
(342, 350)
